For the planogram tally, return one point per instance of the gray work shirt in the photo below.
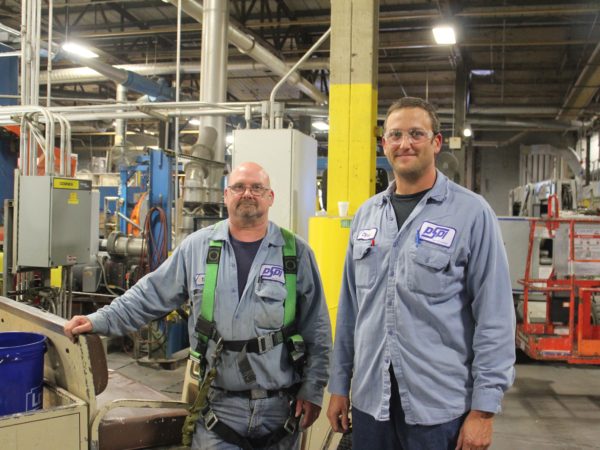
(258, 312)
(432, 299)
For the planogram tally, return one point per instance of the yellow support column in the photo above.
(352, 136)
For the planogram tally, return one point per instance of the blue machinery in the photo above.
(155, 170)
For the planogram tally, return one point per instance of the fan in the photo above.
(448, 164)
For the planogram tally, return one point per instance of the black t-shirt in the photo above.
(244, 255)
(404, 204)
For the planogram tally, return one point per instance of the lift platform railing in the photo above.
(578, 340)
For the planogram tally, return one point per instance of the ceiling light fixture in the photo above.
(320, 125)
(79, 50)
(482, 72)
(444, 35)
(467, 132)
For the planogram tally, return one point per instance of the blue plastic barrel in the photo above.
(21, 371)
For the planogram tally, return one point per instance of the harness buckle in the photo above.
(290, 425)
(265, 343)
(210, 419)
(258, 394)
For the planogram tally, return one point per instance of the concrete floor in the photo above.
(551, 406)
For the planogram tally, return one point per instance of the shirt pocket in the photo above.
(365, 266)
(428, 272)
(269, 306)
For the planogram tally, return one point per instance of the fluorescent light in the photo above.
(482, 72)
(79, 50)
(229, 139)
(444, 35)
(320, 125)
(467, 132)
(194, 122)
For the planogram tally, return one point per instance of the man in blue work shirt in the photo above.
(253, 389)
(425, 325)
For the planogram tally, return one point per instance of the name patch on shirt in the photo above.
(199, 279)
(437, 234)
(272, 272)
(366, 235)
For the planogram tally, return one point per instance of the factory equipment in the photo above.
(570, 290)
(532, 199)
(47, 226)
(202, 189)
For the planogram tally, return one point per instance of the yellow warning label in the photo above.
(73, 199)
(62, 183)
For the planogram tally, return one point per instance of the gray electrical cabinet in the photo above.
(54, 220)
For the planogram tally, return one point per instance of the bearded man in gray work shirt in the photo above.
(253, 389)
(425, 326)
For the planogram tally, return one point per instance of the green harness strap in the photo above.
(207, 309)
(290, 268)
(205, 324)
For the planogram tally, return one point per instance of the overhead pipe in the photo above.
(248, 45)
(128, 79)
(213, 74)
(89, 75)
(584, 89)
(315, 46)
(202, 188)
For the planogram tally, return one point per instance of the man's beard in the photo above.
(248, 211)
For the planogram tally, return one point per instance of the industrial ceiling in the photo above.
(531, 66)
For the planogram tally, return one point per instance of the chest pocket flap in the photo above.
(434, 259)
(269, 305)
(365, 264)
(427, 272)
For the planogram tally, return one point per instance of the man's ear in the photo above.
(437, 141)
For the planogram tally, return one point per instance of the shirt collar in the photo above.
(273, 237)
(438, 192)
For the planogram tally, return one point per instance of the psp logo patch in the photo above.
(437, 234)
(272, 272)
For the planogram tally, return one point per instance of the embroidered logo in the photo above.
(199, 279)
(437, 234)
(366, 235)
(272, 272)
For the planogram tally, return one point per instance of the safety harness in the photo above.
(206, 330)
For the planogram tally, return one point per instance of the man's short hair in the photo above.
(415, 102)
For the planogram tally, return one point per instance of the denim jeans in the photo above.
(396, 434)
(249, 418)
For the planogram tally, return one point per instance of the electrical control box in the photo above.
(54, 220)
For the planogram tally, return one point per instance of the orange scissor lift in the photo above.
(576, 340)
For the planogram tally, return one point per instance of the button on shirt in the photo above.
(259, 310)
(432, 299)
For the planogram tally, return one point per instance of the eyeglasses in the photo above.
(255, 189)
(414, 135)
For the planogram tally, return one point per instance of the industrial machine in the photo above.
(570, 328)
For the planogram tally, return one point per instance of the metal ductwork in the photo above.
(89, 75)
(248, 45)
(202, 193)
(130, 80)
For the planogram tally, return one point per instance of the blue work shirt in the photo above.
(432, 299)
(259, 311)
